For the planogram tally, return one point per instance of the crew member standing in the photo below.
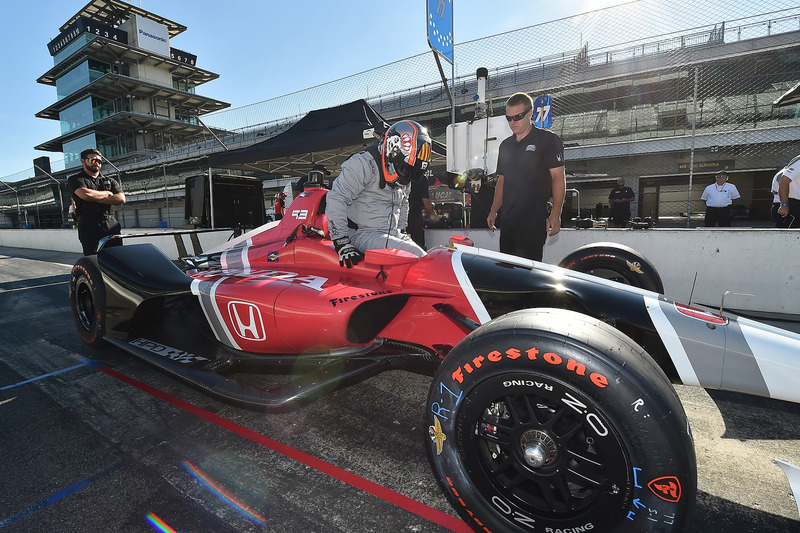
(789, 194)
(419, 200)
(719, 197)
(94, 195)
(530, 166)
(620, 199)
(280, 205)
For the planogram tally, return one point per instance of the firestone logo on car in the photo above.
(247, 321)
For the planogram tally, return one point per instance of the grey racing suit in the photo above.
(378, 213)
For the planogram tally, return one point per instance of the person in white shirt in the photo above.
(789, 194)
(719, 197)
(780, 222)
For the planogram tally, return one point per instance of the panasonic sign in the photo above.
(151, 36)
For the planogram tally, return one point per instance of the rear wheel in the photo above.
(548, 420)
(87, 300)
(616, 262)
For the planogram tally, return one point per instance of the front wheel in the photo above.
(87, 300)
(548, 420)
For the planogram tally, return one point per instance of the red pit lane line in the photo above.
(379, 491)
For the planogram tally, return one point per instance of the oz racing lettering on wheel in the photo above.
(551, 421)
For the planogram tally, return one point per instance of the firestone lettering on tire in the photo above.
(531, 354)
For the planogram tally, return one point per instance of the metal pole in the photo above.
(211, 195)
(444, 81)
(452, 100)
(212, 133)
(691, 157)
(115, 167)
(60, 197)
(19, 215)
(166, 195)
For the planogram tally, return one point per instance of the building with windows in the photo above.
(120, 87)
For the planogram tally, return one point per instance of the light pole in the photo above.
(19, 216)
(60, 197)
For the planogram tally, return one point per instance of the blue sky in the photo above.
(260, 49)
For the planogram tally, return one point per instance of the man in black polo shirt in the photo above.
(530, 168)
(94, 194)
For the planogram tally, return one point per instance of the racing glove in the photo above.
(348, 254)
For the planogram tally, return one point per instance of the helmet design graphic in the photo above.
(406, 152)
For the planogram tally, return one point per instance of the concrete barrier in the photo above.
(66, 240)
(761, 262)
(757, 262)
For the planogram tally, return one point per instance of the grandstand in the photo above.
(661, 94)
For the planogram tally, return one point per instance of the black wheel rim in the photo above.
(84, 306)
(528, 452)
(612, 275)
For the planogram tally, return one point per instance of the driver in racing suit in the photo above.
(367, 207)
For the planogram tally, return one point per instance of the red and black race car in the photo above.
(551, 406)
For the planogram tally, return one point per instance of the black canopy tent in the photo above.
(322, 137)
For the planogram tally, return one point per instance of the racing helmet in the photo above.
(405, 152)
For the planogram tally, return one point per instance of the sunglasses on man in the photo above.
(93, 160)
(517, 117)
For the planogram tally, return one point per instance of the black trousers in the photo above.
(718, 215)
(92, 229)
(523, 240)
(416, 228)
(793, 219)
(620, 214)
(780, 222)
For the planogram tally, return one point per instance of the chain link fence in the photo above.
(661, 94)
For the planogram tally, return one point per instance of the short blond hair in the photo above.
(520, 98)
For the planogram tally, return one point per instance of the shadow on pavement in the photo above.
(751, 417)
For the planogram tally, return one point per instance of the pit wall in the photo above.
(66, 240)
(763, 263)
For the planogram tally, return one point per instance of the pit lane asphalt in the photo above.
(96, 440)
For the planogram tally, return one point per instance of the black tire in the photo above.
(549, 420)
(87, 300)
(616, 262)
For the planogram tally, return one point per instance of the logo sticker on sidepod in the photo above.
(247, 321)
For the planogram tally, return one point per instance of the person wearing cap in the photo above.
(719, 197)
(94, 195)
(301, 183)
(620, 199)
(789, 194)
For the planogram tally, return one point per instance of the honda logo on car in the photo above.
(246, 320)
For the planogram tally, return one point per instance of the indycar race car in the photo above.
(551, 406)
